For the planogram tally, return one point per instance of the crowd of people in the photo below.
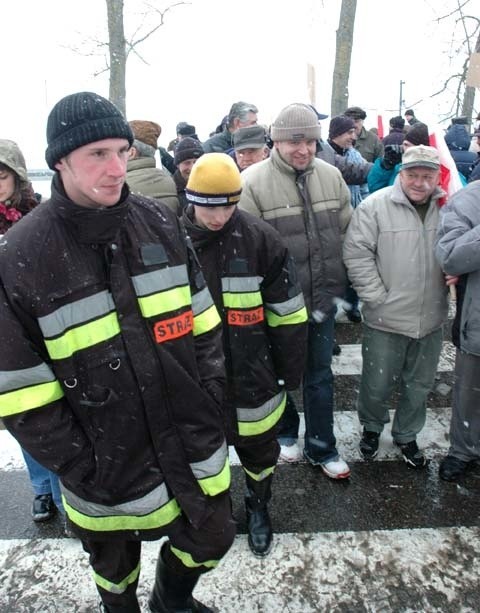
(153, 316)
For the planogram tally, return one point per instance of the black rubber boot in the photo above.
(172, 593)
(131, 606)
(258, 520)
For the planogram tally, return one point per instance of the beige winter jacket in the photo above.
(389, 255)
(311, 211)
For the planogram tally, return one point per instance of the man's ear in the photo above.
(60, 164)
(132, 153)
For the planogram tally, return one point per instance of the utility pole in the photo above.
(401, 101)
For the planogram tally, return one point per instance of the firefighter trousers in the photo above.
(116, 563)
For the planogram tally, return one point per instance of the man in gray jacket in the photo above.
(389, 254)
(308, 202)
(458, 251)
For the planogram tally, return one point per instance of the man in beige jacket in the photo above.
(389, 255)
(308, 202)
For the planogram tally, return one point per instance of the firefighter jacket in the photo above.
(253, 282)
(111, 369)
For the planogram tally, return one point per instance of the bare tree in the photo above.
(343, 55)
(119, 47)
(462, 95)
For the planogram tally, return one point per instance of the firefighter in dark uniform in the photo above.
(253, 283)
(112, 369)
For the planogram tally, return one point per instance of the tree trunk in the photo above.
(118, 54)
(343, 57)
(469, 93)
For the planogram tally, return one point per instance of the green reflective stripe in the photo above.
(274, 320)
(15, 379)
(164, 302)
(241, 284)
(242, 301)
(201, 301)
(156, 519)
(266, 472)
(153, 510)
(189, 562)
(160, 280)
(287, 307)
(206, 321)
(117, 588)
(29, 398)
(83, 336)
(76, 313)
(213, 474)
(259, 420)
(211, 486)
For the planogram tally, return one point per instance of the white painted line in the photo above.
(304, 573)
(433, 439)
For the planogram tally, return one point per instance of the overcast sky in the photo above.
(211, 53)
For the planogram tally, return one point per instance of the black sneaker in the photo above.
(369, 444)
(452, 469)
(43, 507)
(412, 454)
(354, 315)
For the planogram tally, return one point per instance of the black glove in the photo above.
(391, 156)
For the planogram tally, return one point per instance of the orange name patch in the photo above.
(245, 318)
(174, 327)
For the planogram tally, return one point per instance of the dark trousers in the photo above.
(320, 443)
(116, 564)
(465, 424)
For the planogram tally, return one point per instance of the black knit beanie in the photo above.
(187, 149)
(79, 119)
(339, 125)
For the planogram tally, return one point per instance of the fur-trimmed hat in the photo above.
(296, 122)
(214, 181)
(146, 131)
(80, 119)
(355, 112)
(187, 149)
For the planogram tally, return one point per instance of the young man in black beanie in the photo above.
(111, 370)
(253, 283)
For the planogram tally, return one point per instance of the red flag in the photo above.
(380, 126)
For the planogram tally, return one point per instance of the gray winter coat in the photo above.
(389, 255)
(458, 251)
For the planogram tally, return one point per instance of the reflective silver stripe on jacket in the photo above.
(241, 284)
(259, 413)
(155, 499)
(160, 280)
(75, 313)
(211, 466)
(201, 301)
(289, 306)
(16, 379)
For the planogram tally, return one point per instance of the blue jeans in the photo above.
(43, 481)
(320, 443)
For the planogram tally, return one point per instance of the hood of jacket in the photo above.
(457, 138)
